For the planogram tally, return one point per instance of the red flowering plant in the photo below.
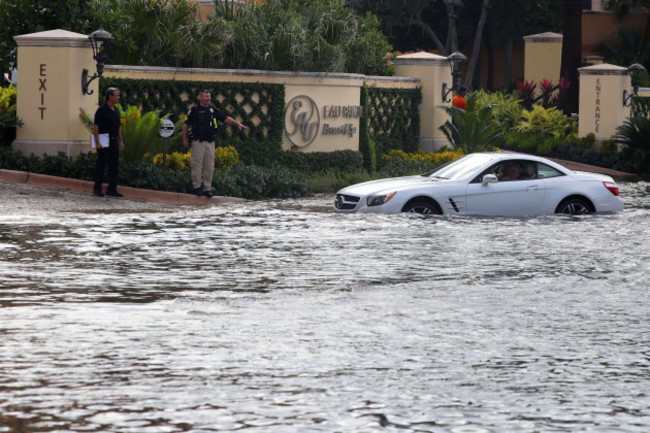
(527, 93)
(548, 97)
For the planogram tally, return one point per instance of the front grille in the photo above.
(345, 202)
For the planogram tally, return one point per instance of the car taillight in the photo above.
(611, 186)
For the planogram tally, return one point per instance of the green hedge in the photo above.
(393, 119)
(245, 181)
(318, 162)
(640, 106)
(261, 102)
(573, 149)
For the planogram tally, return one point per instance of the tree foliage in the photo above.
(472, 129)
(424, 25)
(634, 135)
(19, 17)
(291, 35)
(156, 32)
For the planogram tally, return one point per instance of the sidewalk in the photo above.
(577, 166)
(86, 187)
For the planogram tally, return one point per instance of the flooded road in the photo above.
(283, 316)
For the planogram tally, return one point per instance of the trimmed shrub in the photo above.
(313, 162)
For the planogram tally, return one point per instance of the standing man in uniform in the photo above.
(107, 121)
(202, 121)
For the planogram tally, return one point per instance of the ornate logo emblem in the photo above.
(301, 121)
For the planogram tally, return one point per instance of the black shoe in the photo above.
(98, 193)
(208, 194)
(114, 194)
(197, 191)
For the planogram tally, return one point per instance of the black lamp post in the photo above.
(96, 39)
(634, 71)
(455, 59)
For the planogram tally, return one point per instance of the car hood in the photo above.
(387, 185)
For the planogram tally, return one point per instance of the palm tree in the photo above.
(634, 134)
(571, 53)
(471, 129)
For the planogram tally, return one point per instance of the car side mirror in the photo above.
(489, 178)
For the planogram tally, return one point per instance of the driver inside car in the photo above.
(512, 171)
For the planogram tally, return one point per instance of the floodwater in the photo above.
(283, 316)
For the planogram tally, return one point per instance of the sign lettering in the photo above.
(302, 120)
(597, 112)
(42, 88)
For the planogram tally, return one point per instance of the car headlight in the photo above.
(377, 200)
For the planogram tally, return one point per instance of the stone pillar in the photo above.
(601, 100)
(432, 70)
(542, 57)
(49, 93)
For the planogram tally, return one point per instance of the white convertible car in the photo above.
(499, 184)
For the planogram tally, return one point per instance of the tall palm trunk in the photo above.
(640, 57)
(571, 53)
(476, 48)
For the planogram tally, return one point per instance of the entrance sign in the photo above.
(301, 121)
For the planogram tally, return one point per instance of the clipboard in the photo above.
(103, 141)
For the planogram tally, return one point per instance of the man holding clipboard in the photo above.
(107, 138)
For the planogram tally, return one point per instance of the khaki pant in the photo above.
(202, 161)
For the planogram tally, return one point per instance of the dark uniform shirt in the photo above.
(108, 121)
(202, 122)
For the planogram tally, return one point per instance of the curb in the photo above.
(86, 187)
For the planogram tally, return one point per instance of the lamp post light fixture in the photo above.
(455, 59)
(634, 71)
(96, 39)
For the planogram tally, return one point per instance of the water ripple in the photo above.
(282, 316)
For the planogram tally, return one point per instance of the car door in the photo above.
(519, 197)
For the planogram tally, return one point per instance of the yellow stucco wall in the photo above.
(432, 70)
(334, 117)
(543, 57)
(50, 96)
(601, 100)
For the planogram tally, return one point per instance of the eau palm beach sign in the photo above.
(306, 122)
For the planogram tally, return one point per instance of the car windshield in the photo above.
(461, 168)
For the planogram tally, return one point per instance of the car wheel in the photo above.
(423, 207)
(574, 206)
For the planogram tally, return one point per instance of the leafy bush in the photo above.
(434, 159)
(253, 182)
(319, 162)
(175, 161)
(547, 121)
(140, 133)
(9, 121)
(572, 149)
(225, 156)
(400, 163)
(505, 108)
(634, 135)
(471, 129)
(290, 35)
(149, 176)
